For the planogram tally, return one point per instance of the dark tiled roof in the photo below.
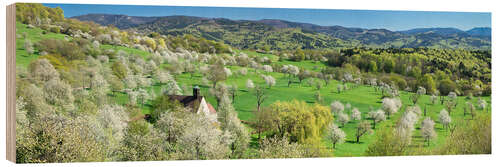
(192, 102)
(188, 101)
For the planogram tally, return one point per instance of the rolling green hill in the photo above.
(285, 35)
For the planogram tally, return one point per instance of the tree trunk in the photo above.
(258, 107)
(233, 97)
(425, 110)
(197, 152)
(357, 139)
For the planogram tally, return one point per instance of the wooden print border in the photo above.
(11, 82)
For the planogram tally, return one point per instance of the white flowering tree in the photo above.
(267, 68)
(171, 88)
(280, 147)
(376, 116)
(335, 134)
(433, 99)
(444, 118)
(243, 71)
(337, 107)
(229, 121)
(342, 118)
(427, 130)
(58, 92)
(482, 104)
(28, 47)
(355, 114)
(291, 70)
(390, 106)
(113, 122)
(270, 81)
(163, 76)
(202, 140)
(42, 70)
(250, 85)
(406, 125)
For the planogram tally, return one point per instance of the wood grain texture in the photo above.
(11, 82)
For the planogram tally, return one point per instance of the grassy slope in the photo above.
(361, 97)
(33, 34)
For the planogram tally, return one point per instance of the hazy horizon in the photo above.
(368, 19)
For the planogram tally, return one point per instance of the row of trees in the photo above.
(460, 70)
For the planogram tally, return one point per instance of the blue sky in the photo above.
(391, 20)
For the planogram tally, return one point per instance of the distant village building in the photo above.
(196, 104)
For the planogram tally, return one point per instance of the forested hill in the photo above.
(285, 35)
(120, 21)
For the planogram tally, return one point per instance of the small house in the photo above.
(197, 104)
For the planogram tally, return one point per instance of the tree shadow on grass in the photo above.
(148, 105)
(204, 86)
(254, 143)
(354, 142)
(158, 84)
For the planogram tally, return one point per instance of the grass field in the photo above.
(361, 97)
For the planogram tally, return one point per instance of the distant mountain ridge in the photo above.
(120, 21)
(281, 34)
(480, 31)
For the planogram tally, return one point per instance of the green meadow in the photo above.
(359, 96)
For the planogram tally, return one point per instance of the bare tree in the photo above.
(233, 90)
(217, 72)
(363, 128)
(472, 109)
(414, 97)
(260, 94)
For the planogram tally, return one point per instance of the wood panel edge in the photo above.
(11, 83)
